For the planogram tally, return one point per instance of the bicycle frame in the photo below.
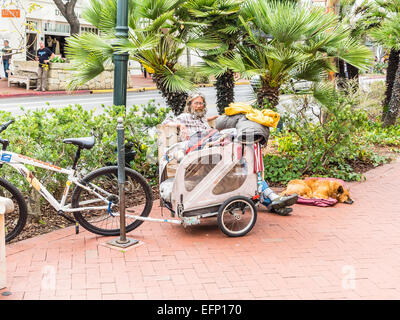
(18, 162)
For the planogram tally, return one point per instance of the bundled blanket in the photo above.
(252, 125)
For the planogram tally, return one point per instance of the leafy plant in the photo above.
(58, 60)
(286, 41)
(325, 135)
(39, 134)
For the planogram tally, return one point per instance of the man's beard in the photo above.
(200, 114)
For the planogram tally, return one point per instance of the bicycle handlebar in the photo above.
(4, 126)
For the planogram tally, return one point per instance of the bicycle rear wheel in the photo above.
(15, 221)
(138, 197)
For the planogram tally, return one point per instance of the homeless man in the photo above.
(194, 120)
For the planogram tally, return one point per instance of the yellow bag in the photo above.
(265, 117)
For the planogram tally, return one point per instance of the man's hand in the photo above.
(212, 118)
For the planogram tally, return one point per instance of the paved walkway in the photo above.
(344, 252)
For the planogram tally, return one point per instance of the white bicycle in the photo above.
(94, 202)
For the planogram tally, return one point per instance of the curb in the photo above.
(203, 85)
(141, 89)
(44, 93)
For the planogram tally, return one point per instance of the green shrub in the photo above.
(39, 134)
(389, 136)
(327, 143)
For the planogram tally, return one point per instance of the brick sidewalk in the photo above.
(344, 252)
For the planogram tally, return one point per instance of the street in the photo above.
(243, 93)
(95, 101)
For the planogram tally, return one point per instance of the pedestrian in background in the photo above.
(6, 57)
(44, 55)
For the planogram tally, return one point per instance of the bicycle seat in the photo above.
(85, 143)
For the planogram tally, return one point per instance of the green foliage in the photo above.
(198, 77)
(375, 134)
(158, 34)
(58, 60)
(388, 33)
(286, 41)
(39, 134)
(328, 144)
(281, 168)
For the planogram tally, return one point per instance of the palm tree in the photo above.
(359, 18)
(156, 39)
(385, 9)
(388, 34)
(286, 41)
(220, 26)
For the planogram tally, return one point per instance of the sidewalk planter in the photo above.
(60, 74)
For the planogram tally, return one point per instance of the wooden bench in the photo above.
(27, 76)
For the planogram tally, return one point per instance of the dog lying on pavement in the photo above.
(318, 188)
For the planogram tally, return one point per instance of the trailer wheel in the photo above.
(237, 216)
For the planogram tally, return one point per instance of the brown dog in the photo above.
(318, 188)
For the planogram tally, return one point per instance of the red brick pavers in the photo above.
(343, 252)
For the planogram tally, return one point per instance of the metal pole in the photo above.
(120, 76)
(121, 179)
(121, 59)
(123, 241)
(119, 99)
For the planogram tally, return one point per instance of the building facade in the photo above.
(24, 23)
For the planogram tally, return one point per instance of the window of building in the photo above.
(57, 27)
(89, 29)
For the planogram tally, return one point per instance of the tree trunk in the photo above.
(68, 11)
(267, 96)
(394, 104)
(175, 100)
(225, 85)
(393, 64)
(354, 73)
(343, 74)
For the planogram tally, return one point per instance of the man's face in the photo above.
(198, 107)
(6, 43)
(41, 44)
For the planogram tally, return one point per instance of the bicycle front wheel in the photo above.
(104, 181)
(16, 220)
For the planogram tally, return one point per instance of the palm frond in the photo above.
(325, 93)
(388, 34)
(176, 81)
(352, 52)
(87, 62)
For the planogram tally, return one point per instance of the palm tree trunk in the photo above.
(394, 104)
(341, 74)
(267, 96)
(225, 85)
(354, 73)
(175, 100)
(393, 64)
